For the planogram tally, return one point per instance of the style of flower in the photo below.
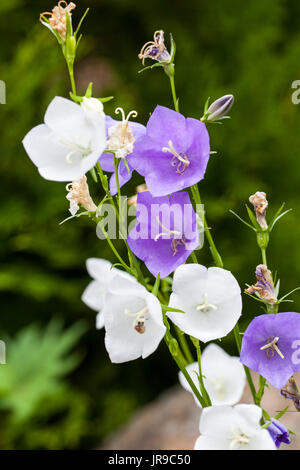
(264, 286)
(223, 376)
(173, 154)
(155, 50)
(237, 428)
(68, 145)
(122, 136)
(166, 232)
(103, 274)
(211, 299)
(133, 321)
(57, 18)
(278, 432)
(79, 195)
(268, 346)
(260, 205)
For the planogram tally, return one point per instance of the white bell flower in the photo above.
(102, 273)
(237, 428)
(133, 321)
(211, 299)
(70, 142)
(223, 376)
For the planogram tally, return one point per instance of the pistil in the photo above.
(271, 346)
(206, 306)
(181, 161)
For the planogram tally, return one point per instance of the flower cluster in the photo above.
(137, 309)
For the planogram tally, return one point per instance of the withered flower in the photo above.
(260, 205)
(155, 50)
(57, 18)
(264, 286)
(78, 194)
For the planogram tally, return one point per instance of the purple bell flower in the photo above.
(173, 154)
(166, 232)
(270, 346)
(278, 432)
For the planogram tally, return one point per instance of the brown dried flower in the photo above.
(78, 194)
(57, 18)
(264, 286)
(260, 205)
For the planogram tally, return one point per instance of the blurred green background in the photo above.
(59, 389)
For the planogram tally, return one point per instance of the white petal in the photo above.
(99, 321)
(93, 296)
(262, 441)
(99, 269)
(224, 376)
(190, 279)
(122, 341)
(219, 421)
(43, 148)
(123, 283)
(251, 413)
(67, 119)
(210, 443)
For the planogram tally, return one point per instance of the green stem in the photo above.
(238, 341)
(201, 383)
(184, 345)
(264, 256)
(71, 74)
(175, 100)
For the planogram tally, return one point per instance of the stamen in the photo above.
(271, 347)
(139, 319)
(183, 161)
(206, 306)
(166, 231)
(239, 438)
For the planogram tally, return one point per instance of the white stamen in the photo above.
(183, 160)
(206, 306)
(273, 346)
(239, 439)
(166, 231)
(139, 317)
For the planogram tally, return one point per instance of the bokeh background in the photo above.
(59, 389)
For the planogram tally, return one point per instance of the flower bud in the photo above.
(219, 108)
(92, 104)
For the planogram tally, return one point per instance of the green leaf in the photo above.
(242, 220)
(156, 286)
(166, 308)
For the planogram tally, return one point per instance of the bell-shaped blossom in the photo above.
(102, 273)
(133, 321)
(278, 432)
(68, 145)
(237, 428)
(211, 299)
(166, 232)
(121, 136)
(223, 376)
(271, 346)
(174, 152)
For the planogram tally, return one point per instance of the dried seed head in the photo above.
(155, 50)
(260, 205)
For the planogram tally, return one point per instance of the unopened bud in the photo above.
(219, 108)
